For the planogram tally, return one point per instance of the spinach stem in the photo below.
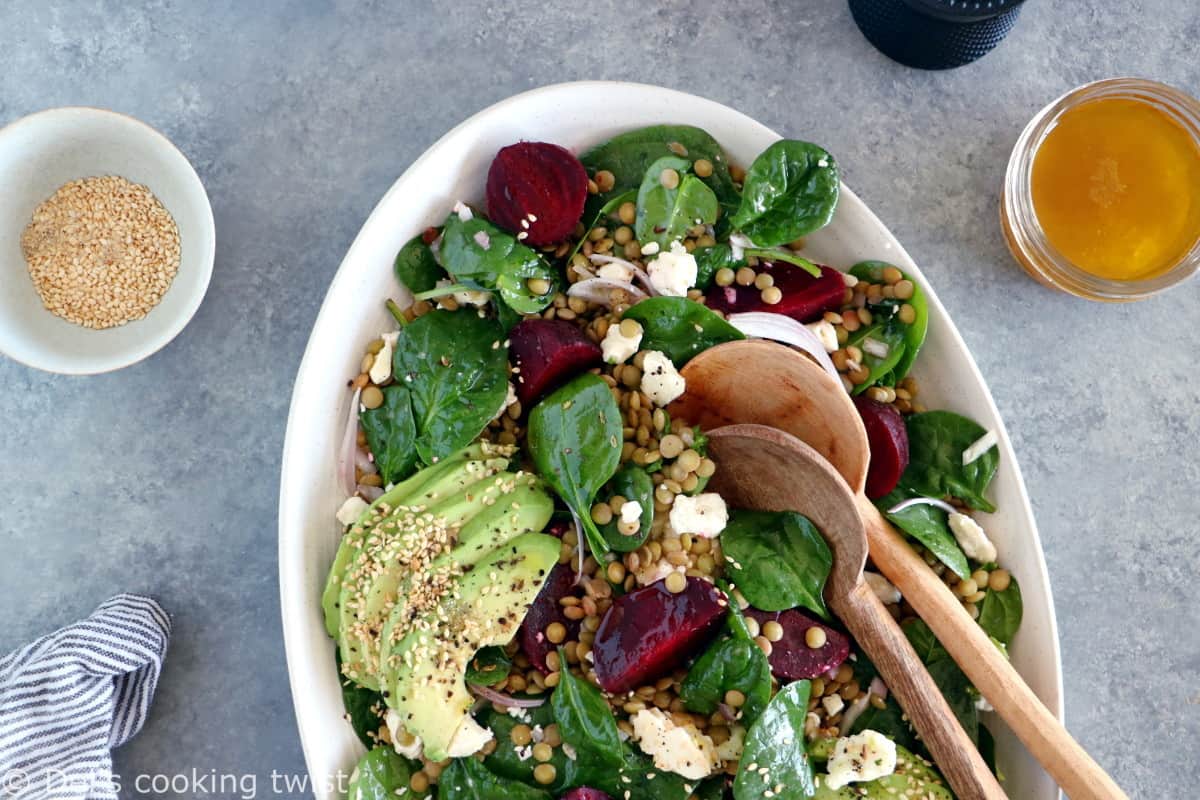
(396, 312)
(443, 291)
(772, 254)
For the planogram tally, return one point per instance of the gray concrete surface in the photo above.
(162, 478)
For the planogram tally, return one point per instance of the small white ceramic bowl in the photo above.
(41, 152)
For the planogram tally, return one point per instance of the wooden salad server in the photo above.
(765, 469)
(757, 381)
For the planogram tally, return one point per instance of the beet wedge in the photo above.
(546, 354)
(545, 610)
(791, 658)
(805, 298)
(888, 440)
(536, 190)
(649, 632)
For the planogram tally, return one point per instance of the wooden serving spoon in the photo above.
(755, 381)
(765, 469)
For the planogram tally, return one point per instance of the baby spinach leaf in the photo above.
(391, 433)
(948, 676)
(584, 719)
(665, 214)
(469, 779)
(790, 191)
(455, 367)
(506, 760)
(914, 334)
(489, 666)
(380, 775)
(730, 663)
(575, 441)
(776, 744)
(711, 788)
(633, 483)
(891, 721)
(1000, 613)
(642, 780)
(479, 254)
(929, 526)
(679, 327)
(416, 267)
(609, 209)
(364, 707)
(936, 441)
(777, 559)
(628, 156)
(890, 332)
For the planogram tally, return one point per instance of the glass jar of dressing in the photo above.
(1102, 194)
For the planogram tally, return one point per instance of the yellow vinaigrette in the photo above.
(1116, 188)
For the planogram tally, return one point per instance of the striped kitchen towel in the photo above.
(67, 699)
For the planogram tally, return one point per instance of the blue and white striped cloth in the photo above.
(67, 699)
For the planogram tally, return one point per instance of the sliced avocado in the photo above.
(914, 777)
(407, 541)
(526, 509)
(366, 607)
(427, 486)
(485, 606)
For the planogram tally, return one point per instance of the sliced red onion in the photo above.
(878, 687)
(363, 460)
(579, 548)
(349, 449)
(730, 295)
(852, 713)
(923, 501)
(599, 290)
(488, 693)
(638, 272)
(979, 447)
(765, 325)
(727, 711)
(738, 244)
(368, 493)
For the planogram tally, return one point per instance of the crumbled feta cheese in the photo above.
(674, 271)
(615, 271)
(403, 742)
(833, 703)
(737, 245)
(731, 748)
(517, 712)
(351, 510)
(683, 750)
(875, 347)
(649, 248)
(661, 382)
(468, 739)
(812, 724)
(863, 757)
(617, 347)
(826, 333)
(631, 511)
(882, 587)
(464, 211)
(381, 367)
(982, 704)
(524, 753)
(703, 515)
(570, 753)
(979, 447)
(972, 539)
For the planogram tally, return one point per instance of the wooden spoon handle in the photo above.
(901, 669)
(1043, 735)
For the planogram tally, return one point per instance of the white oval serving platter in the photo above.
(353, 314)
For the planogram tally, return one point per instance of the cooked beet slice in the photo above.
(888, 439)
(805, 298)
(546, 609)
(537, 191)
(649, 632)
(584, 793)
(791, 658)
(547, 353)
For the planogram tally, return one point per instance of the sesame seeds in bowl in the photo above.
(106, 241)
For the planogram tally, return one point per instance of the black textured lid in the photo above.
(935, 34)
(963, 10)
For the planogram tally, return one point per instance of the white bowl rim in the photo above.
(293, 616)
(168, 333)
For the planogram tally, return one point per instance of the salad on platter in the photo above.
(534, 595)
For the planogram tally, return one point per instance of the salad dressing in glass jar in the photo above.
(1102, 196)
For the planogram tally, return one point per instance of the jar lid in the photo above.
(935, 34)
